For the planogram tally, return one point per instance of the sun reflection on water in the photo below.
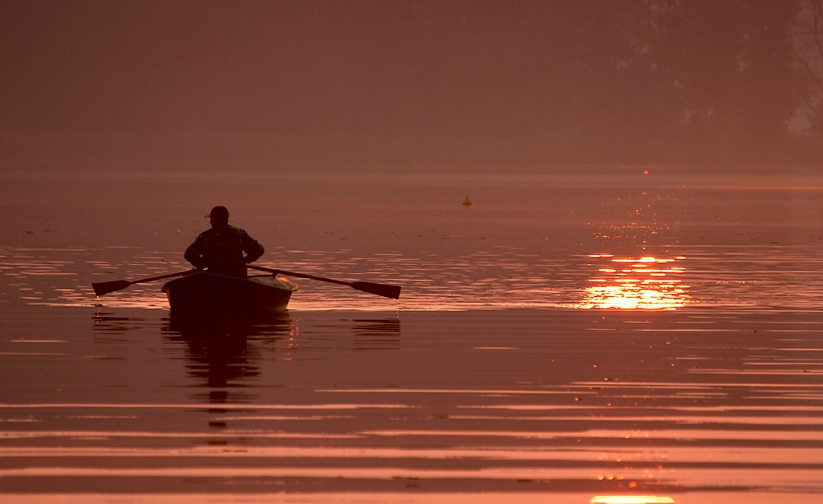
(646, 283)
(631, 499)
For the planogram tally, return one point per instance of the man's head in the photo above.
(219, 216)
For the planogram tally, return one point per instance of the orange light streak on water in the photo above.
(631, 499)
(645, 283)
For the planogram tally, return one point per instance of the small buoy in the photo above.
(467, 202)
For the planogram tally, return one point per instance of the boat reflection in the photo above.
(376, 334)
(111, 324)
(646, 283)
(218, 353)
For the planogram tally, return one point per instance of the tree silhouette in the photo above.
(807, 43)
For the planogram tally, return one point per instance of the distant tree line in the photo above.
(697, 80)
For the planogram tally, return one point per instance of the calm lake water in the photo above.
(629, 334)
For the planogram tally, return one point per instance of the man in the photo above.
(220, 249)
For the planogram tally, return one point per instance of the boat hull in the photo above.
(204, 292)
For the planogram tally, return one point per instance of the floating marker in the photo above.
(467, 202)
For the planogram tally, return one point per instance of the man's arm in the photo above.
(194, 254)
(251, 247)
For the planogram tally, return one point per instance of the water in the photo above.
(627, 332)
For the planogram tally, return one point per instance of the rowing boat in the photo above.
(197, 291)
(206, 292)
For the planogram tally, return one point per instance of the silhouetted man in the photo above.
(220, 249)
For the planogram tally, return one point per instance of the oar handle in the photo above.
(101, 288)
(180, 273)
(299, 275)
(389, 291)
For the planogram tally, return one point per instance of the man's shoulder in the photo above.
(225, 230)
(239, 231)
(205, 234)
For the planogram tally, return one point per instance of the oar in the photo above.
(389, 291)
(101, 288)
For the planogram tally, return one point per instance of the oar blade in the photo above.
(101, 288)
(389, 291)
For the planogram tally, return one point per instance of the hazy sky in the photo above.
(528, 75)
(303, 67)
